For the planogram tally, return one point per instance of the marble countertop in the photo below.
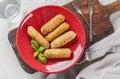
(9, 65)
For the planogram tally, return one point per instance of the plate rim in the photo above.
(76, 19)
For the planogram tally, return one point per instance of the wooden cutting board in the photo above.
(101, 24)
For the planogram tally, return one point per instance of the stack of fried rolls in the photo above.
(56, 36)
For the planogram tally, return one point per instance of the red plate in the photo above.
(37, 18)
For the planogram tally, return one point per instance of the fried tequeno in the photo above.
(34, 34)
(63, 39)
(58, 31)
(57, 53)
(52, 24)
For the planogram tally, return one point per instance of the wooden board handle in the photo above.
(112, 7)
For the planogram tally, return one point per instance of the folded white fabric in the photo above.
(105, 68)
(109, 44)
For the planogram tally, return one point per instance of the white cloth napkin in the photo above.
(109, 44)
(102, 61)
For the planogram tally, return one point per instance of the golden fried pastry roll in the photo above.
(58, 31)
(57, 53)
(38, 37)
(63, 39)
(52, 24)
